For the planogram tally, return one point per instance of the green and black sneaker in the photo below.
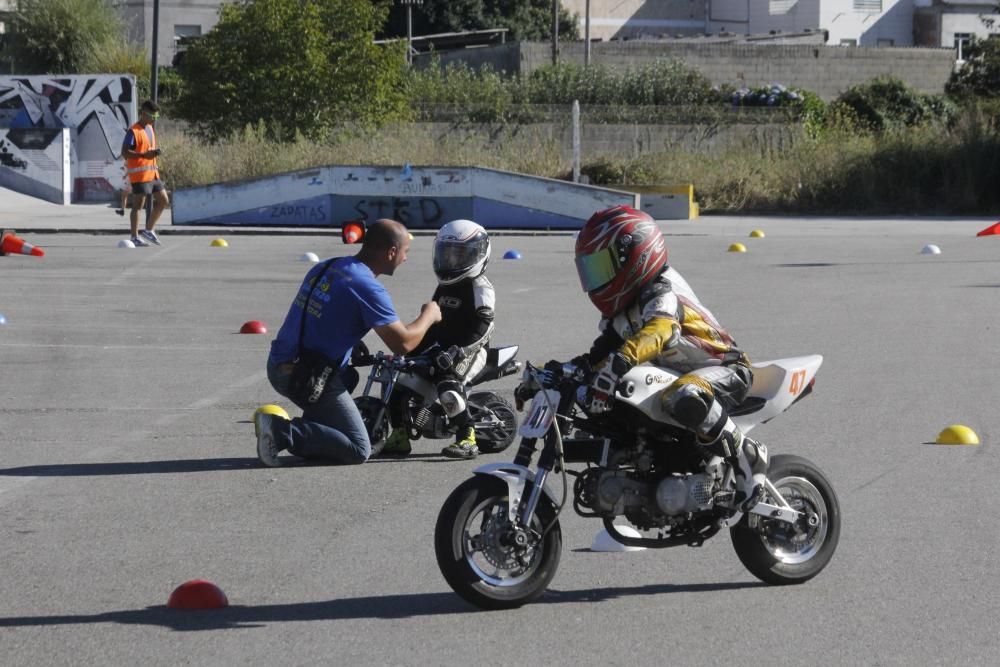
(464, 446)
(397, 445)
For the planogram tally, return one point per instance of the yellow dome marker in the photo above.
(737, 247)
(956, 434)
(757, 234)
(269, 409)
(219, 243)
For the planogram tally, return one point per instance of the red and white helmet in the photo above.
(618, 251)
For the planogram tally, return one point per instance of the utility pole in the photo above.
(555, 32)
(153, 75)
(586, 36)
(154, 82)
(409, 27)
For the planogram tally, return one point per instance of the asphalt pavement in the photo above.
(127, 458)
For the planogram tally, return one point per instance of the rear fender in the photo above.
(500, 362)
(779, 383)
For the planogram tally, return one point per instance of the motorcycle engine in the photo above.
(620, 490)
(681, 494)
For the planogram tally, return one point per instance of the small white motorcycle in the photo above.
(498, 539)
(409, 380)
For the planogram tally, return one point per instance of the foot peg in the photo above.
(755, 497)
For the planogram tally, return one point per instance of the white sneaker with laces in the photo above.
(150, 236)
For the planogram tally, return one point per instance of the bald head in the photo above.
(385, 246)
(384, 234)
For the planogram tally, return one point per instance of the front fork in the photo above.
(516, 477)
(387, 388)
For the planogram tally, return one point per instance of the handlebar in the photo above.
(400, 362)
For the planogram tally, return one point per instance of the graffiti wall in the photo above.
(419, 197)
(97, 109)
(36, 162)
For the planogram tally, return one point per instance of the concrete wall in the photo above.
(98, 108)
(36, 162)
(825, 70)
(419, 197)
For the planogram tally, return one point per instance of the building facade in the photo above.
(953, 23)
(939, 23)
(178, 19)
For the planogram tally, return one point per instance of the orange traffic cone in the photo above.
(992, 230)
(353, 231)
(14, 245)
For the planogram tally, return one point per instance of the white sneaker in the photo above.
(139, 243)
(267, 446)
(150, 236)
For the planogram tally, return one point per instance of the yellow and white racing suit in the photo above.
(668, 326)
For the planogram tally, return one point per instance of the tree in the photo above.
(297, 65)
(528, 20)
(979, 75)
(62, 36)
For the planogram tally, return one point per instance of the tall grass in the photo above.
(924, 169)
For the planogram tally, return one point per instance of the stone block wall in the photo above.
(825, 70)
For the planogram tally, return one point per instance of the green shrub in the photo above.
(886, 103)
(603, 171)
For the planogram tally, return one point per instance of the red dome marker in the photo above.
(197, 594)
(253, 327)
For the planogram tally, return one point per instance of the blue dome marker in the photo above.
(512, 254)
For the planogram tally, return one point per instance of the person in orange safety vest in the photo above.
(140, 150)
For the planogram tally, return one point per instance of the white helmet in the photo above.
(461, 250)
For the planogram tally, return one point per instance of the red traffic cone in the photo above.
(353, 231)
(197, 594)
(10, 244)
(253, 327)
(992, 230)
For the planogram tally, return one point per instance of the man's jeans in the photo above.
(330, 429)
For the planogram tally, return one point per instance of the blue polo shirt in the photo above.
(345, 303)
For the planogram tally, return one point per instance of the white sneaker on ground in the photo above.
(267, 446)
(150, 236)
(139, 243)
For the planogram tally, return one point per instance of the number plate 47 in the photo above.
(798, 382)
(541, 415)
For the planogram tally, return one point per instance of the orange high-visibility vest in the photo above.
(141, 170)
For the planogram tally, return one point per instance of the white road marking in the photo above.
(151, 256)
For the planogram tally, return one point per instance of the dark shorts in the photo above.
(147, 188)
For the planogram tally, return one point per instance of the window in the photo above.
(962, 40)
(885, 41)
(848, 42)
(182, 31)
(868, 6)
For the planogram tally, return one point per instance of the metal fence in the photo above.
(716, 114)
